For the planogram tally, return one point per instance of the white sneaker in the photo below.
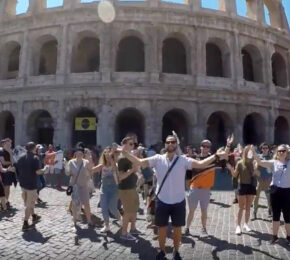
(105, 229)
(238, 230)
(247, 228)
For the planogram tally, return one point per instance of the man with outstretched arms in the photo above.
(170, 192)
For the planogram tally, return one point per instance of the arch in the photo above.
(254, 129)
(219, 126)
(177, 120)
(7, 126)
(84, 127)
(174, 58)
(48, 53)
(130, 55)
(252, 63)
(217, 58)
(86, 54)
(279, 70)
(130, 120)
(10, 60)
(40, 127)
(281, 131)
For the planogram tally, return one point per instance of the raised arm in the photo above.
(262, 163)
(209, 160)
(135, 160)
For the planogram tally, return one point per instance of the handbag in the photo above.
(166, 175)
(69, 189)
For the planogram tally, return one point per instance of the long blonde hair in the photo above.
(276, 155)
(245, 153)
(103, 159)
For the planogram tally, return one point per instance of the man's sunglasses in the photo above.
(170, 142)
(281, 151)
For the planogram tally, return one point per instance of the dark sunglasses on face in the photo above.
(170, 142)
(282, 151)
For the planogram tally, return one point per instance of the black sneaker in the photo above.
(39, 201)
(26, 226)
(186, 232)
(161, 256)
(235, 201)
(273, 240)
(35, 218)
(203, 232)
(176, 256)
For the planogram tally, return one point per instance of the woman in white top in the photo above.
(279, 188)
(80, 171)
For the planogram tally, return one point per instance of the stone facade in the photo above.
(204, 73)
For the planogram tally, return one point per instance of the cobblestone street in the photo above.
(56, 238)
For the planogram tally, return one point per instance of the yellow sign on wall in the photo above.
(85, 124)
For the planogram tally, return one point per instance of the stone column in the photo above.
(239, 123)
(59, 126)
(195, 5)
(152, 54)
(268, 78)
(106, 58)
(200, 127)
(19, 120)
(36, 6)
(237, 61)
(229, 7)
(70, 4)
(22, 74)
(260, 12)
(62, 66)
(153, 3)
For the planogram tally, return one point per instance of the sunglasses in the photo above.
(265, 148)
(170, 142)
(281, 151)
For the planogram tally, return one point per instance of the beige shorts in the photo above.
(130, 200)
(29, 198)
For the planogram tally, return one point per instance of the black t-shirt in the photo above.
(130, 182)
(27, 166)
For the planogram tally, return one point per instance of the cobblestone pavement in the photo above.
(56, 238)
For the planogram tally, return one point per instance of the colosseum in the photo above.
(68, 76)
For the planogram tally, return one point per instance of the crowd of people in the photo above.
(167, 179)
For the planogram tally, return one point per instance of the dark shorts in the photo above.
(246, 189)
(280, 201)
(2, 193)
(163, 211)
(8, 178)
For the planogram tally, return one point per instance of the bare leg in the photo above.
(203, 218)
(176, 237)
(125, 223)
(287, 227)
(162, 237)
(276, 225)
(249, 200)
(242, 203)
(189, 217)
(87, 209)
(7, 192)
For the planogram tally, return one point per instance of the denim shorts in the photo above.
(163, 211)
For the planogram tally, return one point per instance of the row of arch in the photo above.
(40, 127)
(130, 57)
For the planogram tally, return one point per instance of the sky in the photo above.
(213, 4)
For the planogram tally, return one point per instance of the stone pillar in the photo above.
(22, 75)
(260, 12)
(59, 126)
(70, 4)
(237, 65)
(200, 127)
(62, 66)
(195, 5)
(106, 58)
(153, 3)
(268, 78)
(153, 53)
(19, 120)
(229, 7)
(36, 6)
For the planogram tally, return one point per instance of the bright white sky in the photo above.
(23, 5)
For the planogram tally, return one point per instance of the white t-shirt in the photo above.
(173, 190)
(59, 160)
(281, 174)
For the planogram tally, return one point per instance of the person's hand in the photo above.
(230, 139)
(223, 155)
(11, 169)
(140, 181)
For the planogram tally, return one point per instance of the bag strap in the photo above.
(166, 175)
(79, 170)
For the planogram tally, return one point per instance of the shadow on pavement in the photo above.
(221, 204)
(35, 236)
(222, 245)
(88, 233)
(8, 213)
